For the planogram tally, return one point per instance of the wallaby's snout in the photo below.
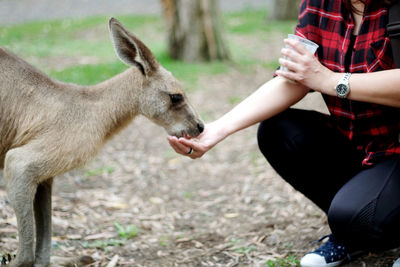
(166, 104)
(162, 98)
(175, 114)
(200, 126)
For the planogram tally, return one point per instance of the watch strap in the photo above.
(344, 81)
(345, 78)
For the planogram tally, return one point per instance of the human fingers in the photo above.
(178, 146)
(301, 64)
(191, 143)
(290, 75)
(296, 46)
(198, 149)
(307, 71)
(295, 71)
(288, 64)
(291, 54)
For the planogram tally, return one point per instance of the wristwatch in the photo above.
(343, 88)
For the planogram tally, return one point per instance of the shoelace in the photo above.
(331, 249)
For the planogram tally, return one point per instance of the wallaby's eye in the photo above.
(176, 98)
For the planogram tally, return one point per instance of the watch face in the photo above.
(341, 89)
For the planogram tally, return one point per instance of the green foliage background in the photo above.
(41, 42)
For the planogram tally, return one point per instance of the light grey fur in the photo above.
(48, 127)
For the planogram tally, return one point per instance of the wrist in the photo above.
(223, 128)
(329, 86)
(343, 86)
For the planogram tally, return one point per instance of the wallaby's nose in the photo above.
(200, 126)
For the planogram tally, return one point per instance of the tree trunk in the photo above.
(284, 9)
(194, 30)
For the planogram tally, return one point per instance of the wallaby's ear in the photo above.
(131, 50)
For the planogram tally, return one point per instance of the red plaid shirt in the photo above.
(373, 128)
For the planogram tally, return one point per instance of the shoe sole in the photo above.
(332, 264)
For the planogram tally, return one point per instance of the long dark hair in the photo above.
(374, 4)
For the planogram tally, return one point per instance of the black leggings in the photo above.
(363, 205)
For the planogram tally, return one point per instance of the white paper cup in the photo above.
(309, 45)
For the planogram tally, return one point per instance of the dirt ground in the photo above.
(228, 208)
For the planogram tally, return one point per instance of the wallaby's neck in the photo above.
(117, 100)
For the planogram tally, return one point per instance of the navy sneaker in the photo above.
(329, 254)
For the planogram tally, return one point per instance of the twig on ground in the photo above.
(113, 261)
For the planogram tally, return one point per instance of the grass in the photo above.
(164, 241)
(47, 44)
(235, 100)
(65, 37)
(126, 232)
(284, 262)
(100, 171)
(103, 244)
(238, 247)
(253, 22)
(88, 74)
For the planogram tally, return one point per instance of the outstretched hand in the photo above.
(197, 147)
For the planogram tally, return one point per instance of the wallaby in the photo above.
(48, 127)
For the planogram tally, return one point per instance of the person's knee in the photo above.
(341, 222)
(357, 228)
(340, 218)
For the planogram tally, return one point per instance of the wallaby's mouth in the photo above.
(177, 134)
(185, 135)
(187, 132)
(192, 132)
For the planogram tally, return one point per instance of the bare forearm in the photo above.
(381, 87)
(270, 99)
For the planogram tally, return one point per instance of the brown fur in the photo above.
(48, 127)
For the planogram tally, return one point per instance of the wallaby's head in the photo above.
(161, 98)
